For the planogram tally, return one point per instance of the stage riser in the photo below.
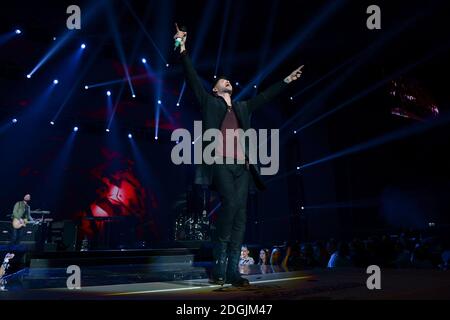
(95, 276)
(153, 261)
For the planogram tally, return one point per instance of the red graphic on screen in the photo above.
(120, 202)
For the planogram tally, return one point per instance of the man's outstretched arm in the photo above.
(191, 75)
(273, 91)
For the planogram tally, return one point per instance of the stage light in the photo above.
(291, 98)
(237, 83)
(144, 60)
(75, 129)
(178, 104)
(255, 86)
(156, 137)
(302, 207)
(14, 120)
(108, 93)
(83, 46)
(52, 123)
(55, 81)
(107, 130)
(159, 101)
(54, 38)
(298, 168)
(28, 76)
(18, 31)
(86, 87)
(130, 136)
(167, 65)
(134, 96)
(215, 77)
(295, 131)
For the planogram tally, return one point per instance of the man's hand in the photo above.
(296, 74)
(182, 35)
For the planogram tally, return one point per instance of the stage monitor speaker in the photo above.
(64, 234)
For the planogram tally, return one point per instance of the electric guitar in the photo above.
(20, 223)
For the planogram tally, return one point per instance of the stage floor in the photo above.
(320, 284)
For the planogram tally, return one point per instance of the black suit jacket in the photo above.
(213, 111)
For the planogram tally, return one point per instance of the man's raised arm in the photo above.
(191, 75)
(273, 91)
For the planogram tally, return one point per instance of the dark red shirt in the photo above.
(230, 122)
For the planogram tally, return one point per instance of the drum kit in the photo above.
(192, 227)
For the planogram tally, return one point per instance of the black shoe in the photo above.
(238, 282)
(217, 281)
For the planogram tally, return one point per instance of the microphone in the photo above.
(177, 43)
(179, 40)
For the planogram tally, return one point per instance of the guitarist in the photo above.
(20, 217)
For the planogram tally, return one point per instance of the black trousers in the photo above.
(16, 235)
(232, 182)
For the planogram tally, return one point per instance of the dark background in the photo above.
(401, 183)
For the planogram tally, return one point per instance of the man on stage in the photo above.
(21, 215)
(230, 180)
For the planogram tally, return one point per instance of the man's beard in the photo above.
(229, 91)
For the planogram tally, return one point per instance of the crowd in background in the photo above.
(398, 251)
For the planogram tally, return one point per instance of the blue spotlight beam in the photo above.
(157, 92)
(108, 83)
(208, 14)
(183, 88)
(222, 35)
(269, 31)
(144, 30)
(81, 75)
(387, 138)
(295, 41)
(328, 74)
(281, 176)
(6, 126)
(64, 38)
(232, 35)
(119, 95)
(157, 114)
(358, 60)
(4, 38)
(119, 47)
(50, 53)
(133, 54)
